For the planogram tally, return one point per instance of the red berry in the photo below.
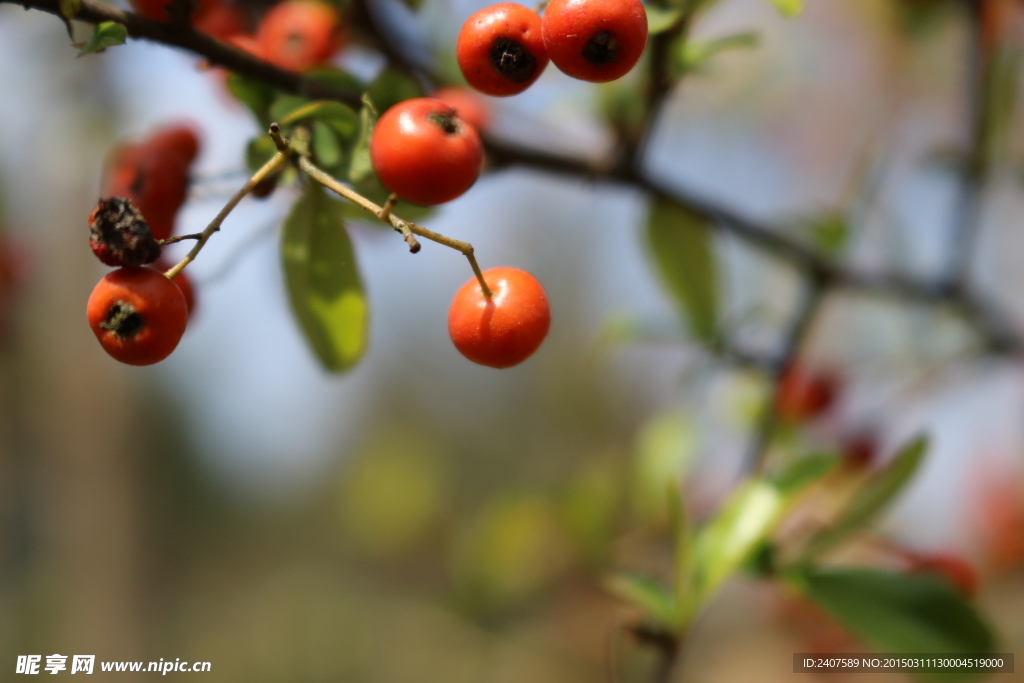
(138, 315)
(184, 283)
(805, 393)
(424, 152)
(151, 9)
(860, 450)
(119, 236)
(595, 40)
(180, 139)
(469, 106)
(219, 18)
(154, 175)
(501, 49)
(247, 43)
(948, 567)
(299, 34)
(506, 329)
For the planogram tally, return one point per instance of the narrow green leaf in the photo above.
(681, 243)
(323, 281)
(899, 613)
(873, 498)
(359, 166)
(284, 105)
(651, 597)
(1000, 99)
(732, 537)
(342, 119)
(106, 34)
(69, 8)
(801, 473)
(788, 8)
(255, 95)
(661, 19)
(693, 54)
(682, 541)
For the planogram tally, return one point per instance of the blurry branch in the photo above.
(967, 210)
(214, 51)
(991, 324)
(764, 430)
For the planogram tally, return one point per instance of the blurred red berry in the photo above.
(220, 19)
(805, 393)
(1000, 522)
(860, 450)
(948, 567)
(300, 34)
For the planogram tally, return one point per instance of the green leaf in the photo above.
(358, 154)
(680, 240)
(325, 145)
(651, 597)
(731, 538)
(661, 19)
(801, 473)
(341, 118)
(69, 8)
(899, 613)
(106, 34)
(323, 281)
(1000, 99)
(872, 499)
(391, 87)
(284, 105)
(336, 78)
(255, 95)
(788, 8)
(693, 54)
(829, 231)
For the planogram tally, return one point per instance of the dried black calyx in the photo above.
(119, 235)
(446, 120)
(512, 60)
(123, 321)
(602, 48)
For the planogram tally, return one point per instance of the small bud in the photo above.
(119, 235)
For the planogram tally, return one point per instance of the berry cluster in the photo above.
(137, 313)
(504, 48)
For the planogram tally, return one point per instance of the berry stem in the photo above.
(406, 228)
(271, 166)
(180, 238)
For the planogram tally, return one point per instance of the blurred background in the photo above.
(425, 519)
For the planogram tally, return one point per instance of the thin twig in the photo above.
(813, 296)
(968, 207)
(405, 227)
(180, 238)
(271, 166)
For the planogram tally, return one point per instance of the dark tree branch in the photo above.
(967, 210)
(214, 51)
